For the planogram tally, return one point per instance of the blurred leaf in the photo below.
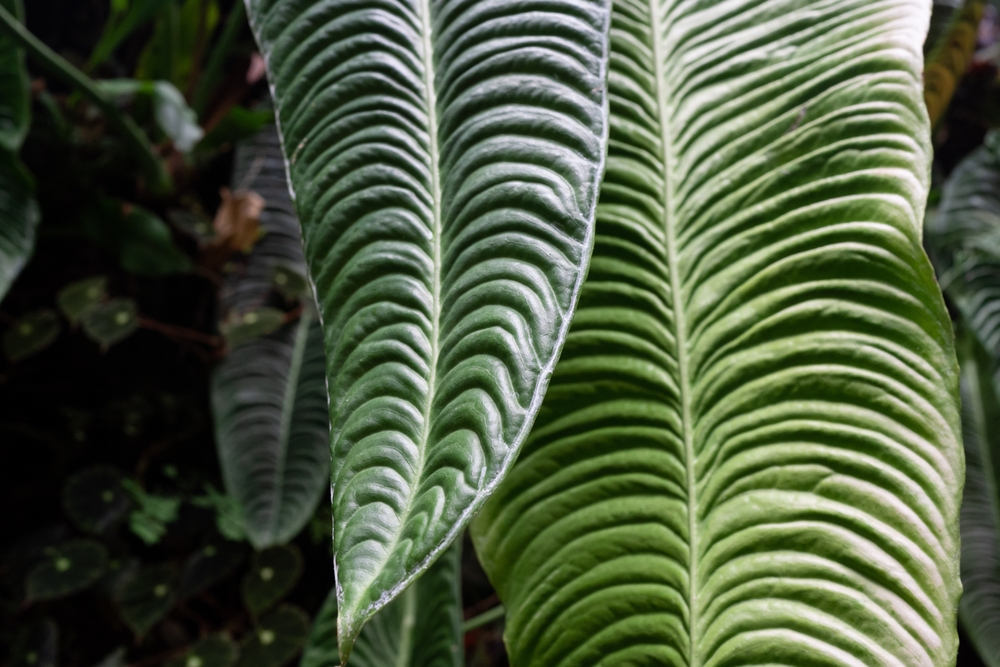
(208, 566)
(242, 329)
(278, 637)
(173, 116)
(140, 239)
(114, 659)
(120, 572)
(195, 225)
(111, 322)
(212, 651)
(237, 222)
(68, 568)
(121, 24)
(321, 648)
(38, 646)
(273, 574)
(949, 59)
(147, 597)
(149, 521)
(31, 333)
(228, 518)
(18, 218)
(237, 125)
(289, 280)
(94, 499)
(18, 210)
(78, 297)
(171, 51)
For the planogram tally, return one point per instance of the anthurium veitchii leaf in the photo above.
(750, 449)
(445, 158)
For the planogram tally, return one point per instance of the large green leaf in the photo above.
(445, 158)
(269, 394)
(18, 210)
(980, 606)
(749, 452)
(964, 241)
(422, 627)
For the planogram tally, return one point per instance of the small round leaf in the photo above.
(111, 322)
(147, 598)
(209, 565)
(94, 499)
(77, 298)
(214, 651)
(31, 334)
(249, 326)
(273, 574)
(278, 637)
(67, 569)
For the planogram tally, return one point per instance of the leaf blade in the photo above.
(738, 402)
(447, 257)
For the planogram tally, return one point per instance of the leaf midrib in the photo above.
(680, 323)
(287, 409)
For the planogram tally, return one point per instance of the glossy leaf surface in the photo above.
(269, 394)
(445, 157)
(420, 628)
(749, 453)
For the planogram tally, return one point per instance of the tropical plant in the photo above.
(749, 451)
(445, 162)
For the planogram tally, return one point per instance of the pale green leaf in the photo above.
(269, 395)
(749, 453)
(445, 158)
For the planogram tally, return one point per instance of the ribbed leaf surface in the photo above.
(445, 156)
(980, 606)
(18, 210)
(964, 241)
(749, 452)
(269, 395)
(420, 628)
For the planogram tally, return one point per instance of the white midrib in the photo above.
(287, 409)
(680, 327)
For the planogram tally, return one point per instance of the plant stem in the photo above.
(59, 67)
(484, 618)
(217, 59)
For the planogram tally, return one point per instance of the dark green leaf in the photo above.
(321, 648)
(67, 569)
(278, 637)
(749, 453)
(213, 651)
(15, 95)
(141, 241)
(95, 500)
(114, 659)
(445, 158)
(269, 395)
(208, 566)
(111, 322)
(30, 334)
(147, 597)
(272, 575)
(78, 297)
(38, 646)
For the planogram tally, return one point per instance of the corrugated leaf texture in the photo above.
(445, 157)
(750, 451)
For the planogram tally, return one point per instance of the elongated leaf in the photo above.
(964, 241)
(269, 394)
(444, 157)
(420, 628)
(749, 453)
(980, 606)
(18, 211)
